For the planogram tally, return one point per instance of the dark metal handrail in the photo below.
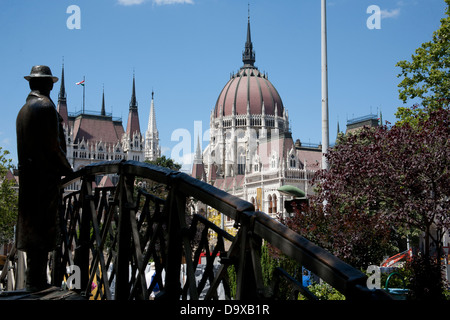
(159, 231)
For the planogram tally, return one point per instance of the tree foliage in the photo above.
(8, 200)
(389, 181)
(417, 177)
(381, 181)
(427, 75)
(358, 238)
(163, 161)
(158, 189)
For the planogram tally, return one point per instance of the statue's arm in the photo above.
(56, 152)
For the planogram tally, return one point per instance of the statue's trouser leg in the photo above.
(36, 276)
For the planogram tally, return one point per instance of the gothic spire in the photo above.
(198, 157)
(62, 103)
(152, 149)
(248, 56)
(133, 102)
(103, 112)
(151, 118)
(62, 90)
(133, 117)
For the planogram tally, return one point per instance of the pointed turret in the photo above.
(248, 56)
(152, 149)
(62, 89)
(103, 112)
(198, 168)
(133, 117)
(198, 157)
(151, 117)
(62, 102)
(133, 101)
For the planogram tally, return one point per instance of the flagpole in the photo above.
(325, 134)
(84, 85)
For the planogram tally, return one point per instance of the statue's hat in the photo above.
(41, 72)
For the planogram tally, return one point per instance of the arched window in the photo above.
(241, 161)
(270, 203)
(292, 162)
(274, 203)
(273, 162)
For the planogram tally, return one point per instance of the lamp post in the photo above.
(325, 129)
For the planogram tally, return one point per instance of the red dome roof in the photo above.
(248, 87)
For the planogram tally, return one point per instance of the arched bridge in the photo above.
(112, 233)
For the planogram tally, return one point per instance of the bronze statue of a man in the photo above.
(42, 162)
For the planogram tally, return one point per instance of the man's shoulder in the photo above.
(37, 106)
(36, 100)
(36, 97)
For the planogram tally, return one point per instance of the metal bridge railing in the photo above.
(111, 234)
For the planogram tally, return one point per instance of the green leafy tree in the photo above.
(325, 292)
(153, 187)
(8, 200)
(427, 75)
(163, 161)
(350, 225)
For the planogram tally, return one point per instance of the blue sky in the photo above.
(185, 50)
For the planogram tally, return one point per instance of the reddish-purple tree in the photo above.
(379, 180)
(355, 237)
(416, 180)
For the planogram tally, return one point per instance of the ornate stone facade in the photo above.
(251, 153)
(98, 136)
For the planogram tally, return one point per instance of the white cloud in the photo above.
(386, 14)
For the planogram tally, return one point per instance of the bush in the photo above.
(426, 280)
(325, 292)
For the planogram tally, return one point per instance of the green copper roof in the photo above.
(292, 191)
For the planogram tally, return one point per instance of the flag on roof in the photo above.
(80, 83)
